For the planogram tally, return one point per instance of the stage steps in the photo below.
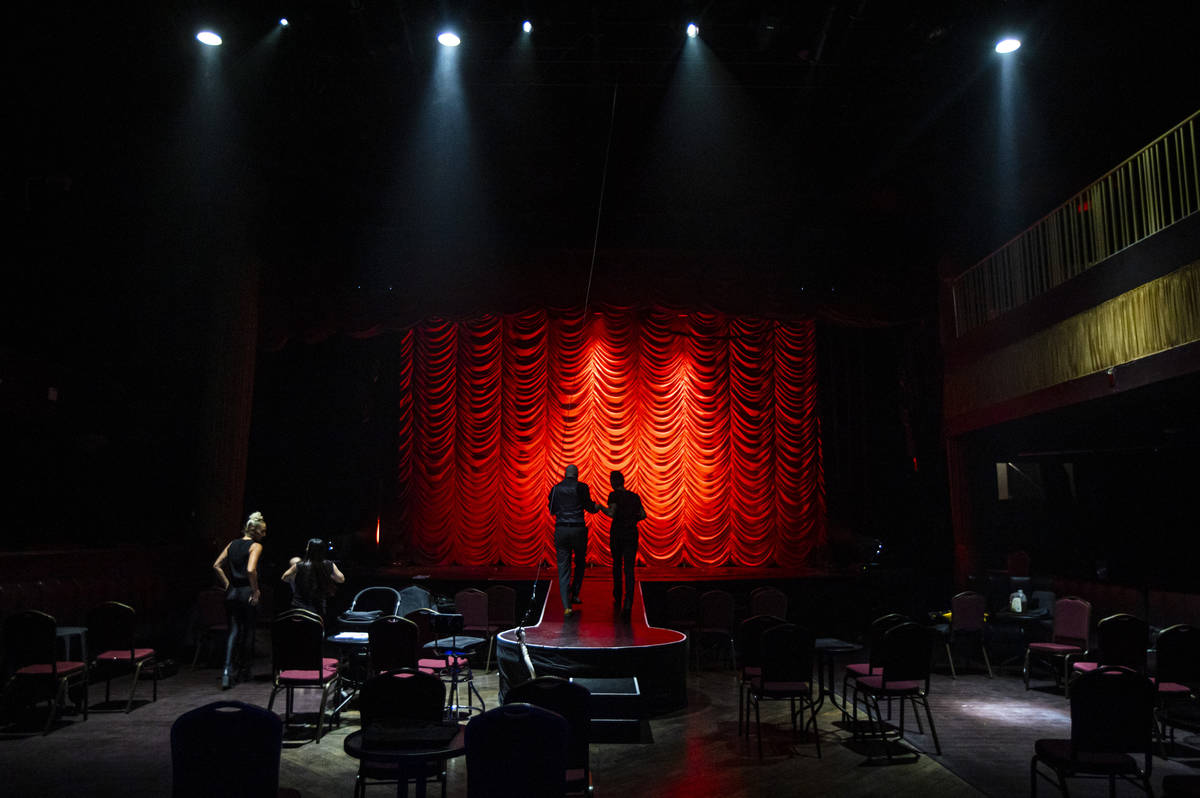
(617, 712)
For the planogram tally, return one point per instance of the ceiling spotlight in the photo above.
(692, 30)
(1007, 45)
(283, 23)
(449, 39)
(208, 37)
(527, 26)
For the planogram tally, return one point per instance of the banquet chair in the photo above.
(297, 639)
(1112, 717)
(966, 621)
(903, 675)
(368, 604)
(34, 670)
(715, 624)
(874, 641)
(394, 697)
(786, 673)
(502, 615)
(210, 625)
(392, 643)
(1121, 639)
(573, 702)
(682, 610)
(747, 653)
(768, 601)
(472, 604)
(1176, 674)
(517, 751)
(111, 628)
(1069, 638)
(226, 748)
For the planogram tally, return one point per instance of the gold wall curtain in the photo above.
(1151, 318)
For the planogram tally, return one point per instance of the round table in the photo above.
(413, 760)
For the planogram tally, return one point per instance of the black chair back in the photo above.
(1178, 655)
(226, 748)
(110, 627)
(683, 607)
(1112, 711)
(502, 607)
(516, 751)
(768, 601)
(787, 654)
(747, 639)
(877, 632)
(405, 693)
(392, 643)
(571, 700)
(1122, 640)
(29, 639)
(297, 639)
(907, 654)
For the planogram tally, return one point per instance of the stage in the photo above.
(595, 642)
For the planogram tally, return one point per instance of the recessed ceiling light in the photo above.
(208, 37)
(449, 39)
(1007, 45)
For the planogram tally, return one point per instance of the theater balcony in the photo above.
(1078, 340)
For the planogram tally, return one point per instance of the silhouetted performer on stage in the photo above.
(314, 578)
(237, 568)
(625, 509)
(568, 501)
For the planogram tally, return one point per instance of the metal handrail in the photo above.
(1152, 190)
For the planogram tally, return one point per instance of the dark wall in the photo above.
(1102, 490)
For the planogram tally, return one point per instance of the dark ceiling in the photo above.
(828, 150)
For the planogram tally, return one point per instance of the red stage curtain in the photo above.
(713, 420)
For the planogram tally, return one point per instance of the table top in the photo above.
(833, 646)
(355, 747)
(1022, 617)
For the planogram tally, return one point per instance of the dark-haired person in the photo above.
(568, 501)
(313, 578)
(237, 570)
(625, 509)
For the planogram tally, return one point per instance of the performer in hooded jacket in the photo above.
(569, 500)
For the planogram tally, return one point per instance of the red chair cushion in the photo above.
(862, 669)
(1173, 687)
(45, 669)
(1055, 648)
(121, 654)
(875, 684)
(329, 668)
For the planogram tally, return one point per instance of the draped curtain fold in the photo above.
(712, 419)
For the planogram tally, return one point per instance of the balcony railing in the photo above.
(1153, 190)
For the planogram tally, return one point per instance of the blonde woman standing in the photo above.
(237, 569)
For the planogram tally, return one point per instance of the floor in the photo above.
(986, 727)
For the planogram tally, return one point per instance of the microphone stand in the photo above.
(524, 619)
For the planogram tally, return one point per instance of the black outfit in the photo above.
(568, 501)
(239, 647)
(623, 543)
(311, 586)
